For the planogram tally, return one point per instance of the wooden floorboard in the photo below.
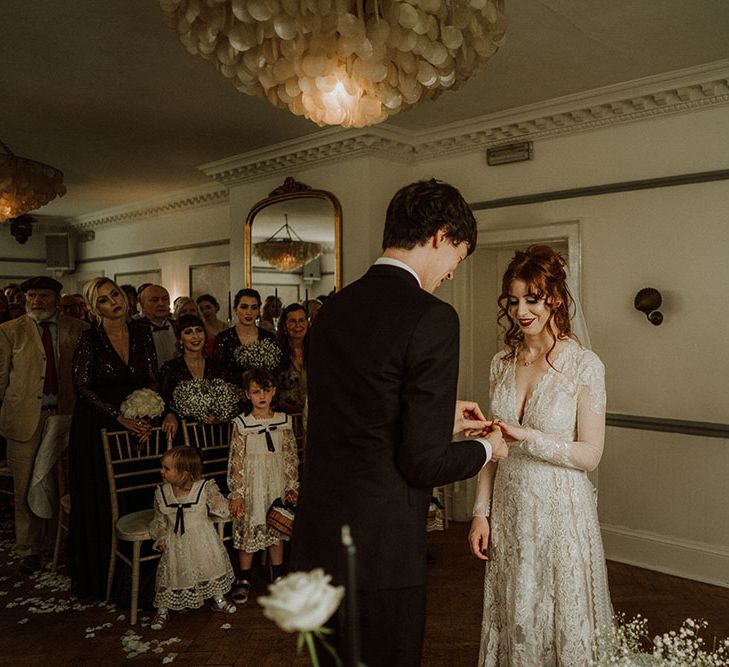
(455, 580)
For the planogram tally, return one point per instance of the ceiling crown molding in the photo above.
(188, 199)
(675, 92)
(328, 145)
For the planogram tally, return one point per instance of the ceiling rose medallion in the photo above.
(341, 62)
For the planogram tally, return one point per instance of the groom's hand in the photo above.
(469, 419)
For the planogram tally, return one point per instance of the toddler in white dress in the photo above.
(194, 565)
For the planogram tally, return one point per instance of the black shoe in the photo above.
(30, 564)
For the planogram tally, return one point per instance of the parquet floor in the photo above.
(40, 625)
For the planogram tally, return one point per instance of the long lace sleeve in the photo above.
(235, 464)
(158, 525)
(217, 505)
(83, 376)
(484, 489)
(291, 460)
(585, 452)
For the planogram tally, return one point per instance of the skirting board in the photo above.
(681, 558)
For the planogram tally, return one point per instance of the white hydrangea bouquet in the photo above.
(142, 404)
(259, 354)
(199, 398)
(302, 602)
(624, 645)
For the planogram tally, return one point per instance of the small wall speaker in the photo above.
(312, 270)
(60, 252)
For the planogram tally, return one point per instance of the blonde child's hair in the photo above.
(186, 460)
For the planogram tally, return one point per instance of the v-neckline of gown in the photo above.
(127, 363)
(537, 386)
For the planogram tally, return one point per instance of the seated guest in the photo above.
(15, 310)
(73, 306)
(189, 363)
(185, 305)
(155, 303)
(14, 294)
(270, 313)
(132, 299)
(4, 317)
(36, 351)
(293, 328)
(312, 309)
(247, 305)
(209, 309)
(112, 359)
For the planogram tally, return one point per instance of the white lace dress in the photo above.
(263, 466)
(545, 590)
(194, 565)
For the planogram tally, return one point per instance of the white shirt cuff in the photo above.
(487, 446)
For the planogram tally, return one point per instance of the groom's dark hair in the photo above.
(420, 209)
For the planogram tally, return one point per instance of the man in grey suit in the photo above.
(382, 374)
(36, 354)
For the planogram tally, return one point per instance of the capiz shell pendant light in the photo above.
(341, 62)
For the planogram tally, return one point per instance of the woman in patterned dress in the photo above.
(535, 516)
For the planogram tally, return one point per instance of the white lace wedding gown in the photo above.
(545, 590)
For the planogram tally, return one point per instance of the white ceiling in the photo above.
(104, 91)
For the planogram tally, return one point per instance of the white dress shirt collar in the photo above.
(389, 261)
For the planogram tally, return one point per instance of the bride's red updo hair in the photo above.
(542, 269)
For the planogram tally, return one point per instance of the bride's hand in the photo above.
(478, 537)
(512, 432)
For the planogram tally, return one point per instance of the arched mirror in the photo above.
(293, 243)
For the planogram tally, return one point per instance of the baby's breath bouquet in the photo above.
(624, 645)
(259, 354)
(224, 399)
(199, 398)
(142, 404)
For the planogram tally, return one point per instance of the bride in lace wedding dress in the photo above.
(535, 516)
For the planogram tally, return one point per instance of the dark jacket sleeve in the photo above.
(426, 457)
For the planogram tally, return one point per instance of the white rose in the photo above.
(302, 601)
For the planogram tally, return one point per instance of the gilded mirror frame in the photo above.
(290, 190)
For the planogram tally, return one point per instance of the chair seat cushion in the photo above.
(134, 527)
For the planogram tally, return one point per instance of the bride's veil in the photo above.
(579, 325)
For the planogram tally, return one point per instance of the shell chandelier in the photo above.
(341, 62)
(26, 184)
(285, 252)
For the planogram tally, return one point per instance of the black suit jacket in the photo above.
(382, 373)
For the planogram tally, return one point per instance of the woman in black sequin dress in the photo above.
(111, 360)
(247, 306)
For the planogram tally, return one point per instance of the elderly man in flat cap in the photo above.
(36, 353)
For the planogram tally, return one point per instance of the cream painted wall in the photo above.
(661, 496)
(148, 240)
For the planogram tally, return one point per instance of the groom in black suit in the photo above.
(382, 374)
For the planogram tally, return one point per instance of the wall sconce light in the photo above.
(648, 301)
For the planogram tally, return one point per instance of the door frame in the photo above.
(463, 292)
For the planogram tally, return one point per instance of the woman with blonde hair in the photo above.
(112, 359)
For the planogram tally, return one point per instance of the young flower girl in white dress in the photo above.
(194, 564)
(262, 468)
